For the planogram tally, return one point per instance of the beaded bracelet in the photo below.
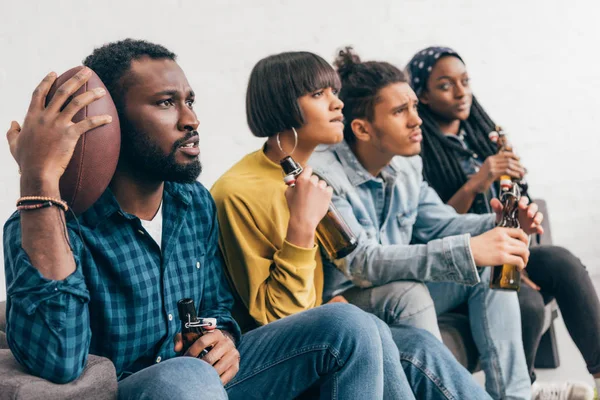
(34, 200)
(37, 206)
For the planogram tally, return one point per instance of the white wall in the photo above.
(532, 65)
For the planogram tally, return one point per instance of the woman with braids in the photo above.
(461, 164)
(407, 234)
(267, 237)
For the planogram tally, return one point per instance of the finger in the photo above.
(68, 88)
(89, 123)
(307, 172)
(177, 343)
(81, 101)
(532, 209)
(530, 283)
(517, 249)
(221, 348)
(314, 180)
(13, 132)
(229, 374)
(538, 218)
(202, 343)
(517, 233)
(322, 184)
(516, 261)
(514, 173)
(38, 98)
(523, 202)
(512, 155)
(338, 299)
(228, 360)
(496, 205)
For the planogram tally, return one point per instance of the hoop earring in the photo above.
(295, 143)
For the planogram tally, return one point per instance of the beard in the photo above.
(144, 156)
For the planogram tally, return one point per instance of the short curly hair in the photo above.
(112, 61)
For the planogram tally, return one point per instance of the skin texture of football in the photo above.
(97, 152)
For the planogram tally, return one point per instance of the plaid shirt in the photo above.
(121, 302)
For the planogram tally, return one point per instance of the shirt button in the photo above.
(158, 359)
(475, 155)
(170, 317)
(141, 232)
(198, 264)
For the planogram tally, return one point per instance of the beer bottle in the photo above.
(501, 139)
(334, 235)
(507, 276)
(192, 327)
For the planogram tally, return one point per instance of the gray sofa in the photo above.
(98, 380)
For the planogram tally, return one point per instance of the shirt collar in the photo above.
(356, 173)
(107, 205)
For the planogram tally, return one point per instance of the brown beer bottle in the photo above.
(191, 327)
(334, 235)
(508, 277)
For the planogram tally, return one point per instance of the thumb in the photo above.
(177, 343)
(497, 207)
(13, 131)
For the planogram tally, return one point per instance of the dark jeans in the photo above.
(562, 276)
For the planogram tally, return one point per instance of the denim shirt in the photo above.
(404, 230)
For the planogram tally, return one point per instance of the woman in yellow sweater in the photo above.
(268, 230)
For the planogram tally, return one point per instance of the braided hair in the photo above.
(441, 155)
(441, 165)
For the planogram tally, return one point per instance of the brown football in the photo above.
(96, 154)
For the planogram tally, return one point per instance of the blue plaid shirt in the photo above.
(121, 302)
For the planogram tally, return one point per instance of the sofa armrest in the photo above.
(98, 381)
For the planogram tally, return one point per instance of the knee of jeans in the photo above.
(560, 262)
(409, 303)
(188, 375)
(349, 323)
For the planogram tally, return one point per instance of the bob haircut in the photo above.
(276, 82)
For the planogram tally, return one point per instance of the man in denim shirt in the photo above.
(376, 175)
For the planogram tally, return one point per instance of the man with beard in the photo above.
(109, 283)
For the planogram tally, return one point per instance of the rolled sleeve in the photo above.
(47, 327)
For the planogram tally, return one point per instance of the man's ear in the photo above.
(361, 129)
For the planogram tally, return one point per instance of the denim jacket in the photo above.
(404, 230)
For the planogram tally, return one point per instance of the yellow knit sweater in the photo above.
(274, 278)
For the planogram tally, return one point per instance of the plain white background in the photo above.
(532, 64)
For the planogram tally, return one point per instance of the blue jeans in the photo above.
(336, 350)
(495, 321)
(398, 303)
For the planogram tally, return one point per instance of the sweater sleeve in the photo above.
(273, 280)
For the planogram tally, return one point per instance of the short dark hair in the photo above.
(113, 60)
(276, 82)
(361, 83)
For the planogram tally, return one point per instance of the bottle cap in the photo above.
(185, 307)
(505, 184)
(291, 169)
(290, 166)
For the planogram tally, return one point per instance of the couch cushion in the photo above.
(456, 334)
(98, 381)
